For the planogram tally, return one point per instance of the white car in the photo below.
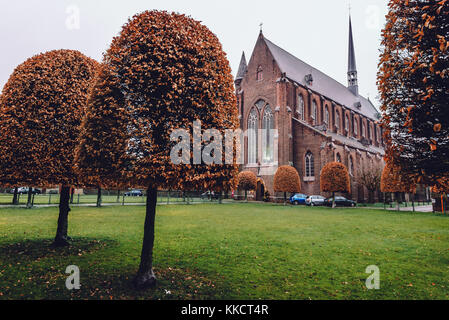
(315, 201)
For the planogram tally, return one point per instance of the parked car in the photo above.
(209, 195)
(134, 193)
(298, 199)
(24, 190)
(313, 201)
(341, 202)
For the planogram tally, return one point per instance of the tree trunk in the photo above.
(72, 193)
(61, 239)
(15, 198)
(30, 196)
(397, 200)
(285, 198)
(333, 200)
(145, 277)
(118, 196)
(99, 198)
(246, 196)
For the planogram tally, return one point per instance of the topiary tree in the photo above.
(40, 113)
(163, 72)
(247, 181)
(286, 180)
(335, 178)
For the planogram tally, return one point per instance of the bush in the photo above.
(286, 180)
(335, 178)
(247, 182)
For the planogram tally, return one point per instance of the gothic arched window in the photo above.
(259, 76)
(364, 130)
(310, 165)
(347, 123)
(356, 128)
(253, 126)
(301, 107)
(268, 135)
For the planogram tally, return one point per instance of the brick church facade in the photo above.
(315, 119)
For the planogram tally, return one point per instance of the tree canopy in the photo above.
(287, 179)
(335, 178)
(247, 181)
(413, 80)
(162, 73)
(41, 108)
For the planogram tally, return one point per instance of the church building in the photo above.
(306, 119)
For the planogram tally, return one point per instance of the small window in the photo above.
(314, 113)
(338, 158)
(326, 118)
(356, 128)
(351, 166)
(337, 120)
(310, 165)
(259, 76)
(347, 123)
(300, 107)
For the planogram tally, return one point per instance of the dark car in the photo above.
(298, 199)
(134, 193)
(340, 202)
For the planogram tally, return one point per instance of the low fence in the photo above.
(114, 198)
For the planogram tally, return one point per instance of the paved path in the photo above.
(408, 209)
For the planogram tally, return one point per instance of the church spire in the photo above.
(352, 67)
(243, 67)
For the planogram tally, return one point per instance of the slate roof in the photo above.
(296, 70)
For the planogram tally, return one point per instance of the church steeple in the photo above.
(243, 67)
(352, 67)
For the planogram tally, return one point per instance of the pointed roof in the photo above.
(351, 52)
(243, 67)
(296, 70)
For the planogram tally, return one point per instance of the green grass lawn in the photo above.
(230, 251)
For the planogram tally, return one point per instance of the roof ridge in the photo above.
(271, 45)
(315, 69)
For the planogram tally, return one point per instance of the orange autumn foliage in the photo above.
(393, 180)
(442, 186)
(335, 178)
(41, 108)
(163, 72)
(413, 81)
(247, 181)
(287, 179)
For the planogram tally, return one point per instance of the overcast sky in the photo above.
(314, 31)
